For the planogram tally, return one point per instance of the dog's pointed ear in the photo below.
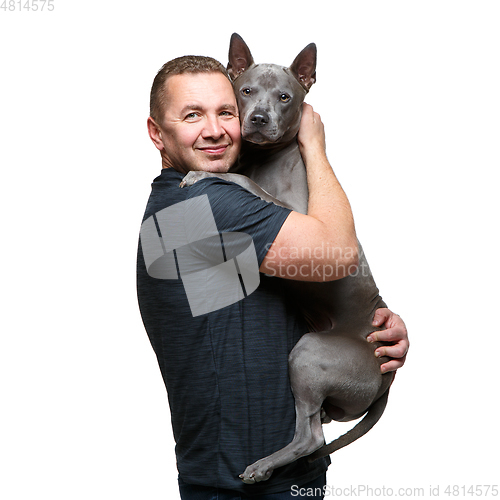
(304, 66)
(240, 57)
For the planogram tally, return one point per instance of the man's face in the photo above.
(200, 128)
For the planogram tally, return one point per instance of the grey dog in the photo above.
(333, 371)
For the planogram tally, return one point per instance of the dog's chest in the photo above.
(281, 174)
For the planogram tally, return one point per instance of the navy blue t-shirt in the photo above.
(226, 372)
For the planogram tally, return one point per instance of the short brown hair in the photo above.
(177, 66)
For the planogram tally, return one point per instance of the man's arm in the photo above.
(329, 222)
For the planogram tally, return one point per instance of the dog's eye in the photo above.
(284, 97)
(246, 91)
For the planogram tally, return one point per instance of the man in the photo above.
(226, 370)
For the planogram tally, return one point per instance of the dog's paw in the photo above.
(256, 473)
(193, 177)
(247, 480)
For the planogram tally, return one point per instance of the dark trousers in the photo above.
(193, 492)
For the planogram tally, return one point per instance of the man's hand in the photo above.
(395, 333)
(311, 136)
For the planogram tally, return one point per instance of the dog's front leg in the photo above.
(243, 181)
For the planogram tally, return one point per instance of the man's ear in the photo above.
(304, 66)
(240, 57)
(155, 134)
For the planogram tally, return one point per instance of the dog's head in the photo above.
(270, 96)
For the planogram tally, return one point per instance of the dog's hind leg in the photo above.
(370, 419)
(307, 439)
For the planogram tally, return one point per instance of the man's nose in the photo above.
(213, 128)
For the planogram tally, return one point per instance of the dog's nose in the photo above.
(260, 118)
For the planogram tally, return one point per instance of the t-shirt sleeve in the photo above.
(237, 210)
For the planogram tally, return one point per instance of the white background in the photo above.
(409, 94)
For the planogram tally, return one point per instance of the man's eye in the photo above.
(191, 116)
(284, 97)
(246, 91)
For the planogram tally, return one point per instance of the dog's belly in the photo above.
(345, 305)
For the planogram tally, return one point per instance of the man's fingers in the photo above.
(392, 365)
(398, 350)
(389, 335)
(381, 316)
(306, 108)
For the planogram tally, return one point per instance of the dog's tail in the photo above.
(370, 419)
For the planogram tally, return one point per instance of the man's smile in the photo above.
(214, 150)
